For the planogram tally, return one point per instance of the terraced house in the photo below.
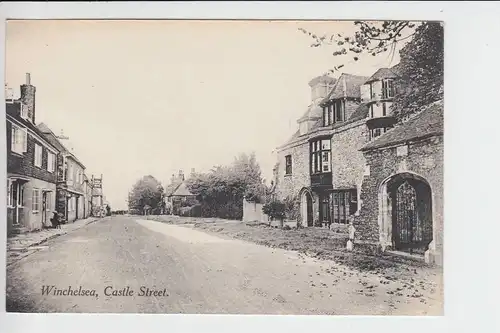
(70, 200)
(351, 162)
(31, 166)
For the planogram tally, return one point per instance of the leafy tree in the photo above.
(146, 192)
(421, 66)
(222, 189)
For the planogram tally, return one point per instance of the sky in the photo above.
(142, 98)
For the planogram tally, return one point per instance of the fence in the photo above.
(252, 212)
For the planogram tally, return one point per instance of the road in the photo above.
(187, 271)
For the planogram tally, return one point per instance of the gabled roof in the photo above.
(182, 190)
(323, 78)
(383, 73)
(428, 122)
(347, 85)
(171, 188)
(52, 138)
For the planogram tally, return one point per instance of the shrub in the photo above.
(275, 210)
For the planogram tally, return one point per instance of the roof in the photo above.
(347, 85)
(182, 190)
(322, 78)
(313, 111)
(428, 122)
(171, 188)
(361, 112)
(383, 73)
(52, 138)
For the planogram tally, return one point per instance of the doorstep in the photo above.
(414, 257)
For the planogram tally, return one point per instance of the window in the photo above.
(35, 203)
(328, 115)
(338, 111)
(387, 88)
(10, 193)
(48, 201)
(24, 111)
(20, 199)
(51, 162)
(288, 165)
(321, 156)
(19, 139)
(345, 203)
(376, 132)
(38, 155)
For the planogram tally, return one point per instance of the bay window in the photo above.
(321, 156)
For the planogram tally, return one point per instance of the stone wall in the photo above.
(290, 185)
(348, 162)
(423, 158)
(252, 212)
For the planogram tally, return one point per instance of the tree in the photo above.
(421, 66)
(222, 189)
(146, 192)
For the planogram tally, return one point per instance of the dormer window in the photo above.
(387, 88)
(327, 115)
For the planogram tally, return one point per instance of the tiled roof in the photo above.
(182, 190)
(313, 111)
(361, 112)
(347, 85)
(428, 122)
(383, 73)
(52, 138)
(171, 188)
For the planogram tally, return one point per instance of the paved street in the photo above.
(187, 271)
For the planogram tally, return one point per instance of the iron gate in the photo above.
(412, 218)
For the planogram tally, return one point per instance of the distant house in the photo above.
(177, 194)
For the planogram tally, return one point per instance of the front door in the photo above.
(324, 211)
(44, 208)
(309, 210)
(15, 200)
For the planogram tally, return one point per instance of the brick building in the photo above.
(70, 201)
(31, 166)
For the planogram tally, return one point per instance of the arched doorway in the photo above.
(306, 204)
(406, 213)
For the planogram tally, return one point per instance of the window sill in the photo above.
(17, 153)
(287, 175)
(35, 211)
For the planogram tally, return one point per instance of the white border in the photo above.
(472, 125)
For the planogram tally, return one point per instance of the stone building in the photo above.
(31, 166)
(321, 167)
(402, 192)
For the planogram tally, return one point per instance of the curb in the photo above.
(27, 249)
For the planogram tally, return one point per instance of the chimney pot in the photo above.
(28, 79)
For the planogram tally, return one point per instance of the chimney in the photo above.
(28, 97)
(172, 179)
(181, 175)
(193, 171)
(320, 87)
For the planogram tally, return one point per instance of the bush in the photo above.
(275, 210)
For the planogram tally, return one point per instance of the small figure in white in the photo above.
(350, 242)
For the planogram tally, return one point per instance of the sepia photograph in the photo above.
(266, 167)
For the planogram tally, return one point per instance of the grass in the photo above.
(314, 242)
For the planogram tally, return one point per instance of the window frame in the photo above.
(338, 111)
(18, 134)
(35, 202)
(51, 159)
(316, 156)
(288, 165)
(388, 88)
(38, 151)
(344, 204)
